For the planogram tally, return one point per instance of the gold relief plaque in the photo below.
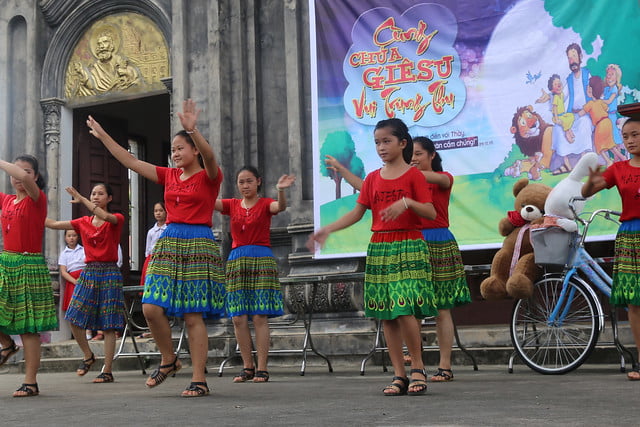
(120, 53)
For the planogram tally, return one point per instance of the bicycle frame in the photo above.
(583, 262)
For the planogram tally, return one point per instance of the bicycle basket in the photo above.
(553, 246)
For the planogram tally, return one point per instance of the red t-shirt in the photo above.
(190, 201)
(249, 226)
(377, 193)
(23, 222)
(100, 243)
(627, 179)
(440, 203)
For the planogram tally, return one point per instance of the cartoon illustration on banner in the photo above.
(506, 89)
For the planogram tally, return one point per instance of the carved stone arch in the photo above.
(70, 31)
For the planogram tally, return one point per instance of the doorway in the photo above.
(142, 126)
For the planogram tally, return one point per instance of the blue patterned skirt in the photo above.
(252, 282)
(98, 301)
(185, 273)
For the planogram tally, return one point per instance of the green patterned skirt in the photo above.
(26, 297)
(398, 276)
(447, 270)
(626, 268)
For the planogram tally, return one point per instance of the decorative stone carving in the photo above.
(55, 11)
(121, 52)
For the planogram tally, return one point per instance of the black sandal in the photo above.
(635, 369)
(421, 385)
(7, 352)
(158, 376)
(245, 375)
(85, 365)
(30, 390)
(201, 389)
(261, 377)
(397, 389)
(442, 376)
(104, 377)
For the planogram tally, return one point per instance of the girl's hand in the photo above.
(393, 211)
(76, 197)
(95, 129)
(286, 181)
(319, 237)
(332, 163)
(595, 176)
(189, 116)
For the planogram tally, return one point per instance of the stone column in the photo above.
(51, 109)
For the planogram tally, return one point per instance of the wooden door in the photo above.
(92, 164)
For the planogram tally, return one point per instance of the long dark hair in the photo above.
(185, 135)
(34, 165)
(427, 144)
(400, 130)
(254, 171)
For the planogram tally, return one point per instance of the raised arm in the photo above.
(218, 205)
(188, 119)
(26, 178)
(353, 180)
(95, 209)
(120, 153)
(284, 182)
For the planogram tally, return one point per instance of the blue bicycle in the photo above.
(556, 329)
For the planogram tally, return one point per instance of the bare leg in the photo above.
(634, 323)
(81, 339)
(444, 332)
(198, 347)
(411, 334)
(109, 349)
(261, 326)
(159, 327)
(243, 337)
(31, 343)
(393, 338)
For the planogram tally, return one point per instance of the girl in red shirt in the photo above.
(449, 278)
(185, 277)
(625, 175)
(397, 284)
(26, 299)
(252, 284)
(98, 300)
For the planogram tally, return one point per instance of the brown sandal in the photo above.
(7, 352)
(420, 386)
(158, 376)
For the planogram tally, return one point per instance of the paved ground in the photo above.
(592, 395)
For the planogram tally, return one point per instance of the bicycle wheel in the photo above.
(560, 346)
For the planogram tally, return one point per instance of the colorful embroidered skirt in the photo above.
(26, 297)
(185, 273)
(447, 270)
(398, 276)
(252, 282)
(98, 301)
(626, 268)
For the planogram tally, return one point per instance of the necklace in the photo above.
(244, 205)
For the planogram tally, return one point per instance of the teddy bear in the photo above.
(556, 208)
(513, 270)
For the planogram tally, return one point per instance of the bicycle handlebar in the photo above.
(586, 222)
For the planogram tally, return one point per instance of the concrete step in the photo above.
(346, 343)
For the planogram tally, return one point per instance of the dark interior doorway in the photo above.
(142, 126)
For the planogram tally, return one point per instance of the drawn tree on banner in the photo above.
(340, 145)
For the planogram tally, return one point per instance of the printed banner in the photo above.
(506, 89)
